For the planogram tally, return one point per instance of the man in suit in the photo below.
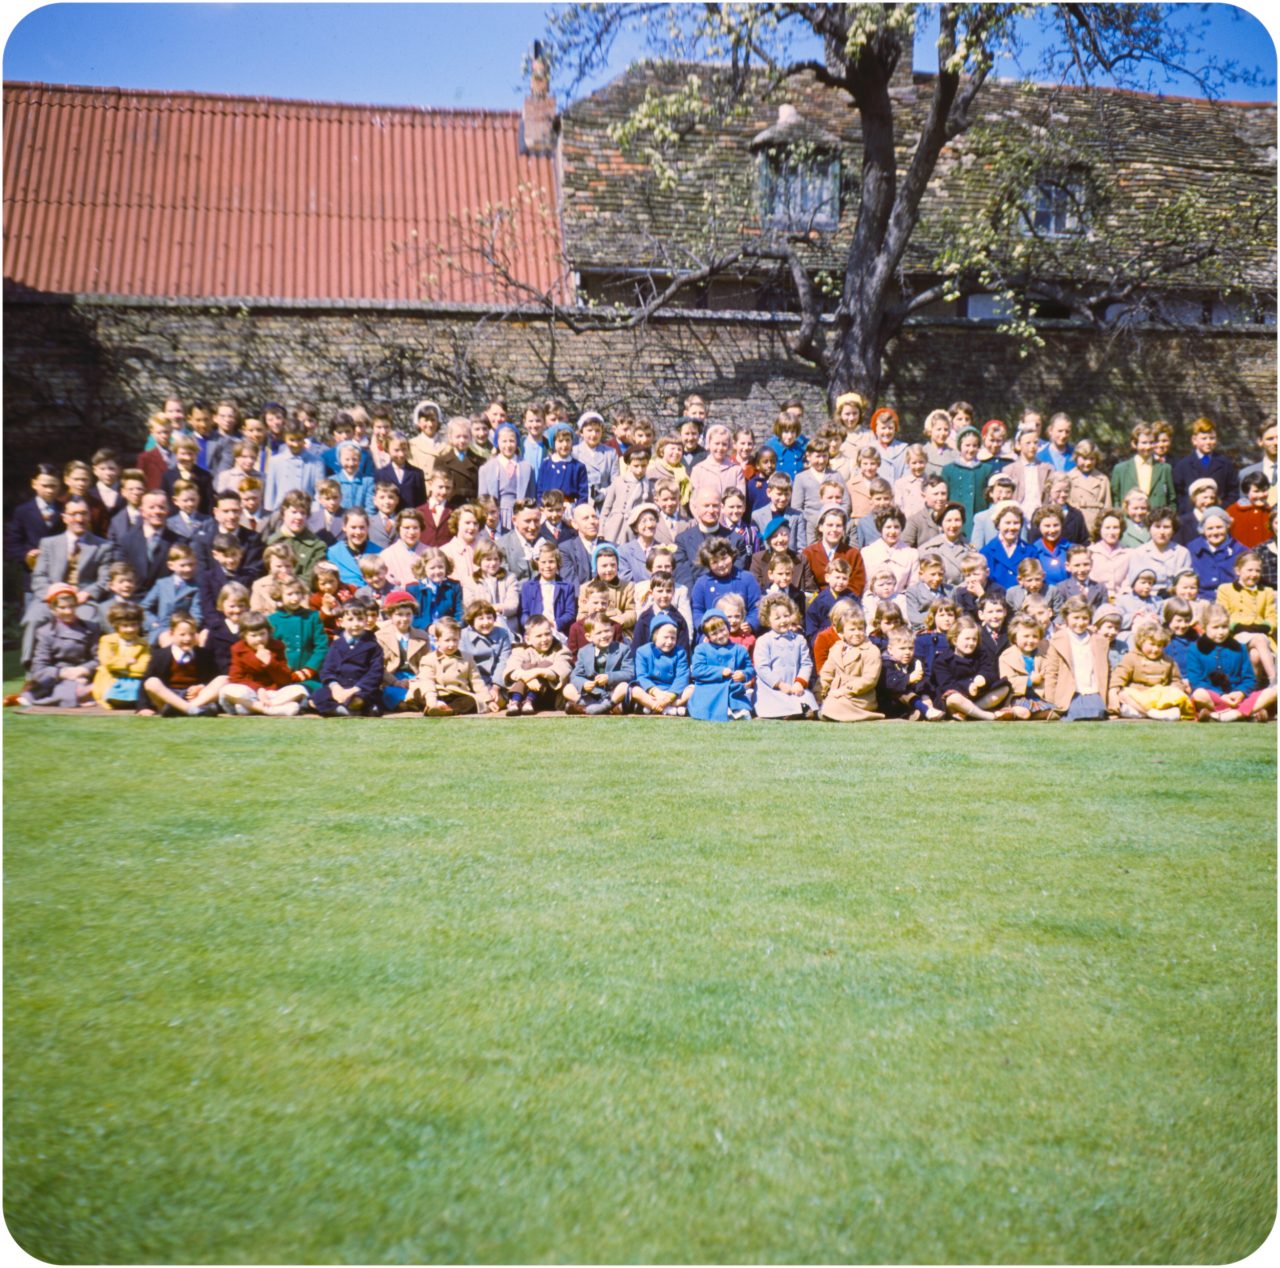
(146, 548)
(1204, 463)
(575, 554)
(706, 507)
(76, 557)
(1268, 465)
(226, 519)
(1143, 471)
(520, 545)
(34, 520)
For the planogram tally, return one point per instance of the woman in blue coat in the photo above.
(1006, 550)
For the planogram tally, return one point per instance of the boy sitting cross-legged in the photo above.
(447, 682)
(602, 675)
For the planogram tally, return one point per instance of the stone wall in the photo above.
(78, 375)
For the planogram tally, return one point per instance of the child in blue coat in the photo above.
(1224, 687)
(722, 674)
(560, 469)
(723, 578)
(662, 670)
(435, 592)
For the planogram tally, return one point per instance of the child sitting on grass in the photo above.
(182, 679)
(447, 683)
(969, 679)
(662, 682)
(65, 656)
(260, 680)
(487, 645)
(903, 686)
(1223, 684)
(351, 676)
(1077, 670)
(403, 647)
(1022, 663)
(783, 663)
(1146, 682)
(537, 668)
(828, 638)
(123, 656)
(850, 673)
(722, 673)
(299, 628)
(603, 672)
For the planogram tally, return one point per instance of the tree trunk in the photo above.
(856, 355)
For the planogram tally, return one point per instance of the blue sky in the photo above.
(395, 54)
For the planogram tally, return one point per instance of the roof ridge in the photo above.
(927, 76)
(196, 95)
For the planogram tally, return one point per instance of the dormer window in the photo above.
(1055, 208)
(798, 167)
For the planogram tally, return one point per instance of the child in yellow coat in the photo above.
(123, 657)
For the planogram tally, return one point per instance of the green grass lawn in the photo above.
(504, 991)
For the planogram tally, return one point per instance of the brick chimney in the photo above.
(537, 123)
(901, 84)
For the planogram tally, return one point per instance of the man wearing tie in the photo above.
(75, 557)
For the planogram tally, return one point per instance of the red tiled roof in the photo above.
(119, 192)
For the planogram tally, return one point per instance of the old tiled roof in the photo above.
(615, 211)
(115, 192)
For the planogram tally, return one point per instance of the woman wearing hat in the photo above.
(65, 656)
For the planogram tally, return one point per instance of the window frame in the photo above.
(780, 170)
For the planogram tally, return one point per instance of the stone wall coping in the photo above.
(697, 316)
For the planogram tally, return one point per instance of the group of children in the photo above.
(481, 568)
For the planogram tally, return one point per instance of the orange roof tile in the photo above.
(120, 192)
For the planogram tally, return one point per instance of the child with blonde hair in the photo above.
(783, 663)
(282, 565)
(1146, 683)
